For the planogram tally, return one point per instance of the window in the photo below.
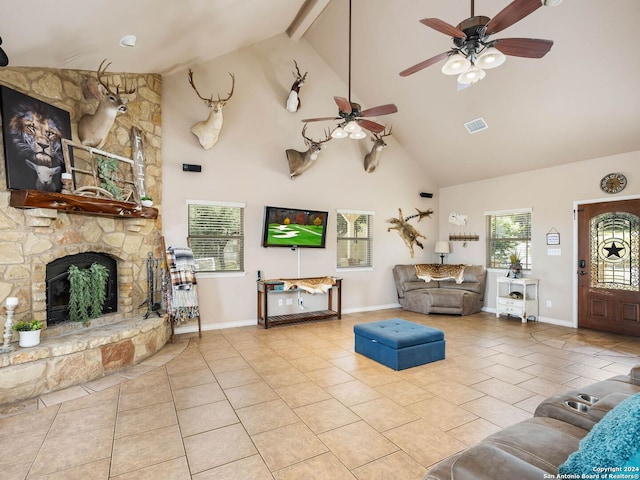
(216, 235)
(508, 232)
(354, 235)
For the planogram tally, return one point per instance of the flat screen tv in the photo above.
(294, 227)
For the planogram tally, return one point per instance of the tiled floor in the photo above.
(296, 402)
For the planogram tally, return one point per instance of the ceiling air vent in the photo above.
(476, 125)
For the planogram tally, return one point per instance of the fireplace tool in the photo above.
(154, 286)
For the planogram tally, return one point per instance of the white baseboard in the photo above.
(552, 321)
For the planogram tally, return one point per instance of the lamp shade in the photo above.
(339, 132)
(491, 58)
(456, 64)
(471, 76)
(357, 135)
(442, 247)
(352, 126)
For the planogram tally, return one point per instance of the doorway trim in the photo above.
(576, 204)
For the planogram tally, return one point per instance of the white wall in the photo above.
(249, 165)
(552, 194)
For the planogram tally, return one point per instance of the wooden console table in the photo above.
(266, 288)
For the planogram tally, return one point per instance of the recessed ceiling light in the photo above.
(128, 41)
(476, 125)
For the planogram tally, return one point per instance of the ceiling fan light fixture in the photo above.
(456, 64)
(551, 3)
(352, 127)
(339, 132)
(357, 135)
(490, 58)
(471, 76)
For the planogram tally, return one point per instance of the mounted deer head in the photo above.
(94, 128)
(293, 101)
(208, 130)
(372, 158)
(299, 162)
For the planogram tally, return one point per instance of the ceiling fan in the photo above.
(351, 115)
(473, 50)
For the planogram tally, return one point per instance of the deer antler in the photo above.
(233, 84)
(384, 133)
(318, 142)
(298, 75)
(210, 101)
(101, 71)
(193, 85)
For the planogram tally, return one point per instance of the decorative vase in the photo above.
(515, 270)
(29, 338)
(146, 203)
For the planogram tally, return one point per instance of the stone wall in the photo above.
(30, 238)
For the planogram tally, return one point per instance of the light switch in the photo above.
(554, 251)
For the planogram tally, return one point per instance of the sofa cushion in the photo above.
(420, 284)
(434, 271)
(610, 444)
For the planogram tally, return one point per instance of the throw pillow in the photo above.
(613, 443)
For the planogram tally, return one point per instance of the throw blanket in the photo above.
(181, 296)
(311, 285)
(434, 271)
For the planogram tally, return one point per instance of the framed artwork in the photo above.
(33, 131)
(553, 238)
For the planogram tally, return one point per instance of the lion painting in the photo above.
(33, 132)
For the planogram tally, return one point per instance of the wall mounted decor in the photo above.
(293, 100)
(32, 131)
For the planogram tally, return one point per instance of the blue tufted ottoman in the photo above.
(399, 344)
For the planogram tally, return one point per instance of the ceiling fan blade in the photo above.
(369, 125)
(343, 104)
(424, 64)
(524, 47)
(379, 110)
(322, 119)
(443, 27)
(512, 13)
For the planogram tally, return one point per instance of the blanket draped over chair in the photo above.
(311, 285)
(181, 295)
(435, 271)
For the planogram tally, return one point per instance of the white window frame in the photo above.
(240, 237)
(523, 249)
(342, 263)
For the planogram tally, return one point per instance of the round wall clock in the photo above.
(613, 183)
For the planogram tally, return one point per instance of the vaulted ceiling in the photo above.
(580, 101)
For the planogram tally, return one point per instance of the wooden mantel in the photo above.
(79, 204)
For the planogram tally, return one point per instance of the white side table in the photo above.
(524, 307)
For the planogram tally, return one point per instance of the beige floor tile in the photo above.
(287, 445)
(326, 415)
(105, 382)
(141, 450)
(236, 378)
(375, 376)
(142, 378)
(507, 374)
(266, 416)
(397, 465)
(424, 442)
(62, 453)
(474, 431)
(510, 361)
(496, 411)
(404, 392)
(309, 363)
(288, 376)
(100, 416)
(422, 376)
(454, 392)
(108, 395)
(199, 395)
(175, 469)
(26, 422)
(16, 471)
(98, 470)
(60, 396)
(206, 417)
(217, 447)
(20, 448)
(384, 414)
(503, 391)
(227, 364)
(326, 377)
(191, 379)
(249, 468)
(302, 394)
(140, 420)
(531, 403)
(464, 376)
(322, 467)
(251, 394)
(350, 363)
(442, 414)
(357, 444)
(542, 386)
(142, 397)
(353, 392)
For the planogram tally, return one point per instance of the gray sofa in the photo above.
(535, 448)
(442, 296)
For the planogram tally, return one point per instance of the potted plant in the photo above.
(146, 201)
(29, 332)
(87, 292)
(515, 268)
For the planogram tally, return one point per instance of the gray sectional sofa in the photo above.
(441, 296)
(535, 448)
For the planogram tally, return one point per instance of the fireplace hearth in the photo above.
(57, 284)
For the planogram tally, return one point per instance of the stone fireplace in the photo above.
(31, 239)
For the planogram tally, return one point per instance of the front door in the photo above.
(608, 266)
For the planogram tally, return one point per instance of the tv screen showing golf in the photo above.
(294, 227)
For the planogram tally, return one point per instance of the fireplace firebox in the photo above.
(57, 284)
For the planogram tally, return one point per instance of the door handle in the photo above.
(582, 272)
